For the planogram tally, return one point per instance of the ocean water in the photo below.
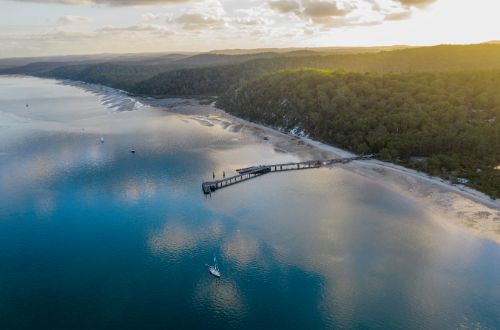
(95, 237)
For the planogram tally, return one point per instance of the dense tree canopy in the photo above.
(443, 123)
(217, 79)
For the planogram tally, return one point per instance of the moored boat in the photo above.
(213, 269)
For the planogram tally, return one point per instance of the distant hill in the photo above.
(212, 73)
(206, 58)
(119, 71)
(214, 59)
(316, 50)
(215, 80)
(150, 58)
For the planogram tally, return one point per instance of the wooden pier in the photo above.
(248, 173)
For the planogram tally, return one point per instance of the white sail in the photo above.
(214, 270)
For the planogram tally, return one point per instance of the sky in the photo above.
(64, 27)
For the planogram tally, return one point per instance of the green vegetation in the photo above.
(125, 72)
(122, 76)
(441, 123)
(217, 79)
(435, 109)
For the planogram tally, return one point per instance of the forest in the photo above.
(214, 80)
(442, 123)
(435, 109)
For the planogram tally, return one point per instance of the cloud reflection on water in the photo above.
(366, 241)
(240, 249)
(173, 238)
(222, 296)
(134, 189)
(372, 251)
(177, 236)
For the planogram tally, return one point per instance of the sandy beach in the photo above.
(456, 205)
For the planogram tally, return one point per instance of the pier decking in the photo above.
(255, 171)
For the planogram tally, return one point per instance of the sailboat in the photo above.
(213, 269)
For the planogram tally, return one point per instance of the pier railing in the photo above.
(248, 173)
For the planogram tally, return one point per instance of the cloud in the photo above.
(416, 3)
(199, 24)
(327, 14)
(102, 34)
(398, 16)
(112, 3)
(249, 21)
(198, 21)
(284, 6)
(157, 30)
(260, 17)
(309, 8)
(315, 9)
(150, 16)
(73, 19)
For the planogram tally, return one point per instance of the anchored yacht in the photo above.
(213, 269)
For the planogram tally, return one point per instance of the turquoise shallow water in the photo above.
(93, 237)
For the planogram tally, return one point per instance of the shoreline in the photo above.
(465, 191)
(459, 205)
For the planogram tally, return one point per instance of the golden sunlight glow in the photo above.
(57, 27)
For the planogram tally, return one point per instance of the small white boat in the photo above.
(132, 151)
(102, 139)
(213, 269)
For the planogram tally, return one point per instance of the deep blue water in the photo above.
(94, 237)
